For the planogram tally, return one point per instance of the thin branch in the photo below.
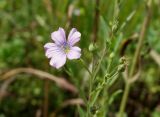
(141, 38)
(135, 77)
(125, 74)
(61, 82)
(72, 102)
(136, 57)
(4, 87)
(155, 56)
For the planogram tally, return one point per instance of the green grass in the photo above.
(26, 25)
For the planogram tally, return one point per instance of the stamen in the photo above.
(66, 47)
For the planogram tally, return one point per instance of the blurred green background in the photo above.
(26, 25)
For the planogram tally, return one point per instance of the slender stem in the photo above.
(94, 38)
(99, 63)
(114, 75)
(135, 59)
(140, 43)
(89, 98)
(97, 93)
(90, 84)
(86, 67)
(109, 65)
(105, 93)
(124, 99)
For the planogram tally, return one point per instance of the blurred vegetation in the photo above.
(25, 26)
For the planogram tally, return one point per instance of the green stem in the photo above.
(124, 99)
(109, 65)
(99, 90)
(99, 64)
(105, 92)
(135, 59)
(90, 90)
(85, 66)
(90, 85)
(91, 80)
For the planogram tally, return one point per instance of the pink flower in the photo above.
(62, 48)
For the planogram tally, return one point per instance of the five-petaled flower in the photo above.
(63, 48)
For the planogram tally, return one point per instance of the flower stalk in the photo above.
(135, 59)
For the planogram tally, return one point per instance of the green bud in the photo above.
(121, 68)
(111, 55)
(115, 25)
(94, 109)
(92, 47)
(107, 75)
(122, 60)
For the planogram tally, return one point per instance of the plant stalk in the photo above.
(135, 59)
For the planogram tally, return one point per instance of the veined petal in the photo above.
(74, 53)
(74, 36)
(49, 45)
(53, 51)
(58, 60)
(59, 36)
(73, 30)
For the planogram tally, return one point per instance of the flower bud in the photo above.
(94, 109)
(121, 68)
(122, 60)
(111, 55)
(92, 47)
(107, 75)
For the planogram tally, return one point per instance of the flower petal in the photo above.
(74, 36)
(74, 53)
(59, 36)
(49, 45)
(58, 60)
(52, 50)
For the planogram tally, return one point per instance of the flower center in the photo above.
(66, 47)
